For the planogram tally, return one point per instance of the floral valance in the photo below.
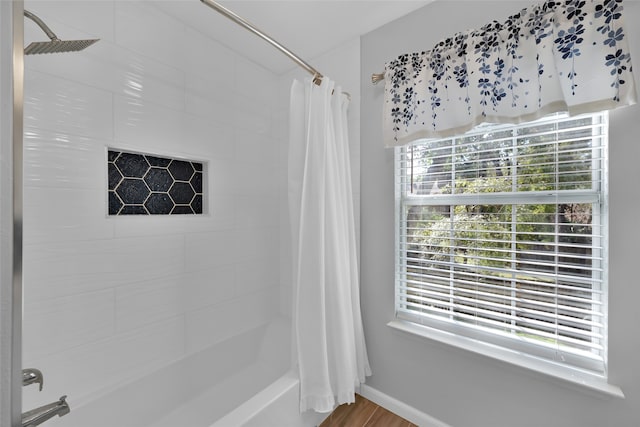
(568, 55)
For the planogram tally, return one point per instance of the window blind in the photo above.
(501, 237)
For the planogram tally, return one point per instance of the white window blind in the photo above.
(501, 237)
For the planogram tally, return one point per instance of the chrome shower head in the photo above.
(58, 46)
(55, 45)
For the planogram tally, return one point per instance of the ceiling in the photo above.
(308, 28)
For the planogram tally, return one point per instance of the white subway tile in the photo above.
(66, 107)
(148, 257)
(253, 148)
(109, 67)
(257, 179)
(204, 250)
(222, 211)
(224, 176)
(142, 226)
(251, 115)
(55, 159)
(258, 273)
(72, 20)
(94, 67)
(83, 266)
(63, 268)
(83, 372)
(148, 31)
(208, 137)
(174, 282)
(62, 215)
(256, 82)
(149, 302)
(257, 242)
(54, 325)
(257, 211)
(203, 100)
(209, 287)
(145, 78)
(208, 64)
(149, 127)
(213, 324)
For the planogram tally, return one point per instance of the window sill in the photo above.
(573, 376)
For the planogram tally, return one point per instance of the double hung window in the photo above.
(501, 237)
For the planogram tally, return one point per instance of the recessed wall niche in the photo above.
(144, 184)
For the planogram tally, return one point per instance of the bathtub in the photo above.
(243, 381)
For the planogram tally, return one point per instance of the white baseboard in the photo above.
(400, 408)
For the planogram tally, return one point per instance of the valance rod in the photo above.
(317, 76)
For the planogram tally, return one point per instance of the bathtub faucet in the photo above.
(31, 376)
(39, 415)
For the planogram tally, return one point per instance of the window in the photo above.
(501, 237)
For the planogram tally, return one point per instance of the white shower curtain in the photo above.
(331, 353)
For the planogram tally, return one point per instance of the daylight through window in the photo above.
(501, 237)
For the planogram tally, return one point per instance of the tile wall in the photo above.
(110, 298)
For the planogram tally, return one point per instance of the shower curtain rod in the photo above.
(317, 76)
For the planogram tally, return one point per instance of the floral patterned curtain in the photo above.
(568, 55)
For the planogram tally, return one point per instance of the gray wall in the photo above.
(454, 385)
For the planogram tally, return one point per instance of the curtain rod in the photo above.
(317, 76)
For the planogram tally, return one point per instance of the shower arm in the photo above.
(42, 26)
(317, 77)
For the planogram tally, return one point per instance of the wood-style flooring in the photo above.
(364, 413)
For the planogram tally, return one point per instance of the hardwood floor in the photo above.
(364, 413)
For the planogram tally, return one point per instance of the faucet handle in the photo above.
(32, 375)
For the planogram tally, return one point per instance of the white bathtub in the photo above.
(274, 406)
(244, 381)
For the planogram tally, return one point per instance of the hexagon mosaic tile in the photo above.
(142, 184)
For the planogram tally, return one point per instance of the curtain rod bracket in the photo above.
(377, 78)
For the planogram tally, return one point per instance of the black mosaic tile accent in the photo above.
(114, 176)
(132, 165)
(158, 161)
(132, 191)
(196, 203)
(133, 210)
(182, 193)
(114, 203)
(141, 184)
(159, 179)
(112, 156)
(159, 203)
(196, 182)
(181, 171)
(182, 210)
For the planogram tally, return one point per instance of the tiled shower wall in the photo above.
(108, 299)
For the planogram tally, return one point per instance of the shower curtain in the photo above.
(331, 353)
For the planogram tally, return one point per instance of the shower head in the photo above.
(55, 45)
